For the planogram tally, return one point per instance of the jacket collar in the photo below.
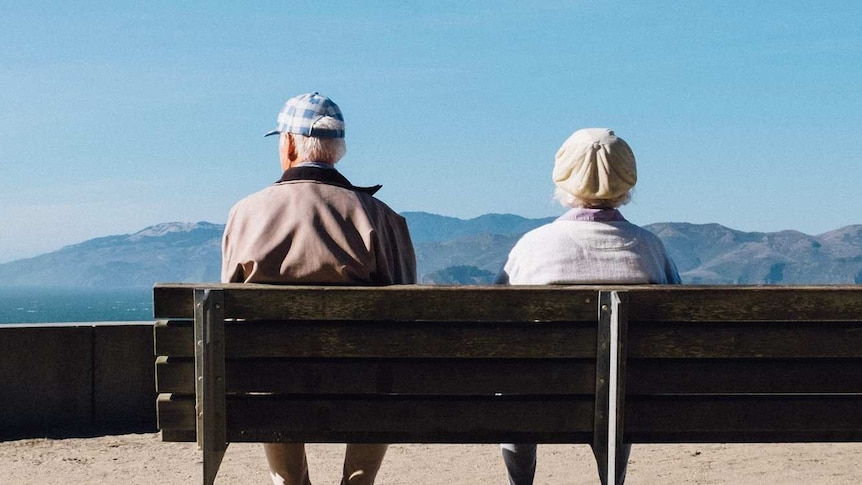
(328, 176)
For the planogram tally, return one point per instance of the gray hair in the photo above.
(328, 150)
(568, 200)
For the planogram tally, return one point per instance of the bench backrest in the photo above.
(513, 364)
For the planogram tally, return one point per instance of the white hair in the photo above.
(328, 150)
(568, 200)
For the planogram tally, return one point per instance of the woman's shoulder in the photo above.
(550, 230)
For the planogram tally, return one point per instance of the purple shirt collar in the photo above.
(592, 215)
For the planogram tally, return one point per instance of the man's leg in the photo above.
(520, 460)
(287, 463)
(361, 463)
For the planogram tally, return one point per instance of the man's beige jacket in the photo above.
(314, 227)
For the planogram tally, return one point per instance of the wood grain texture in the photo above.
(498, 303)
(743, 376)
(396, 419)
(476, 377)
(385, 376)
(733, 339)
(746, 303)
(390, 339)
(760, 418)
(412, 303)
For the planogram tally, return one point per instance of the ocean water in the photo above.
(49, 305)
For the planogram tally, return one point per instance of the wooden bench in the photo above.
(579, 364)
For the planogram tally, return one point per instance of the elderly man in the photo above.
(592, 243)
(314, 227)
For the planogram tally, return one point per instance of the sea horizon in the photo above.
(38, 305)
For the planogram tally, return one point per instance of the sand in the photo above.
(144, 459)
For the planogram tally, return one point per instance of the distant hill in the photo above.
(447, 247)
(165, 252)
(453, 251)
(425, 227)
(714, 254)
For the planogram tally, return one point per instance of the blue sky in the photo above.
(118, 115)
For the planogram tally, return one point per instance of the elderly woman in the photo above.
(590, 244)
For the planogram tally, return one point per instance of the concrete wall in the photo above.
(76, 379)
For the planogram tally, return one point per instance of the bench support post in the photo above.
(210, 405)
(610, 451)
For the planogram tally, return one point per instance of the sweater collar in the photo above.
(592, 215)
(328, 176)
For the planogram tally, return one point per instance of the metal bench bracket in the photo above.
(210, 405)
(611, 453)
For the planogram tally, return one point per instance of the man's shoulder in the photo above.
(256, 197)
(373, 204)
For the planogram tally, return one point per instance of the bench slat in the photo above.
(745, 303)
(409, 376)
(659, 419)
(397, 419)
(649, 302)
(389, 339)
(760, 418)
(456, 303)
(726, 376)
(732, 339)
(647, 376)
(555, 340)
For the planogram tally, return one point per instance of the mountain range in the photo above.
(454, 251)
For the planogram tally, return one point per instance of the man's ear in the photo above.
(291, 148)
(287, 150)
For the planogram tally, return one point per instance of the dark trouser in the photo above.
(520, 460)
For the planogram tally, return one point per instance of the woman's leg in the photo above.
(361, 463)
(520, 460)
(287, 463)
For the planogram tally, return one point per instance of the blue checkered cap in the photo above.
(301, 113)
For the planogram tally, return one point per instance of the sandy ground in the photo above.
(144, 459)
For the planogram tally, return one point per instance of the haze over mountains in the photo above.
(454, 251)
